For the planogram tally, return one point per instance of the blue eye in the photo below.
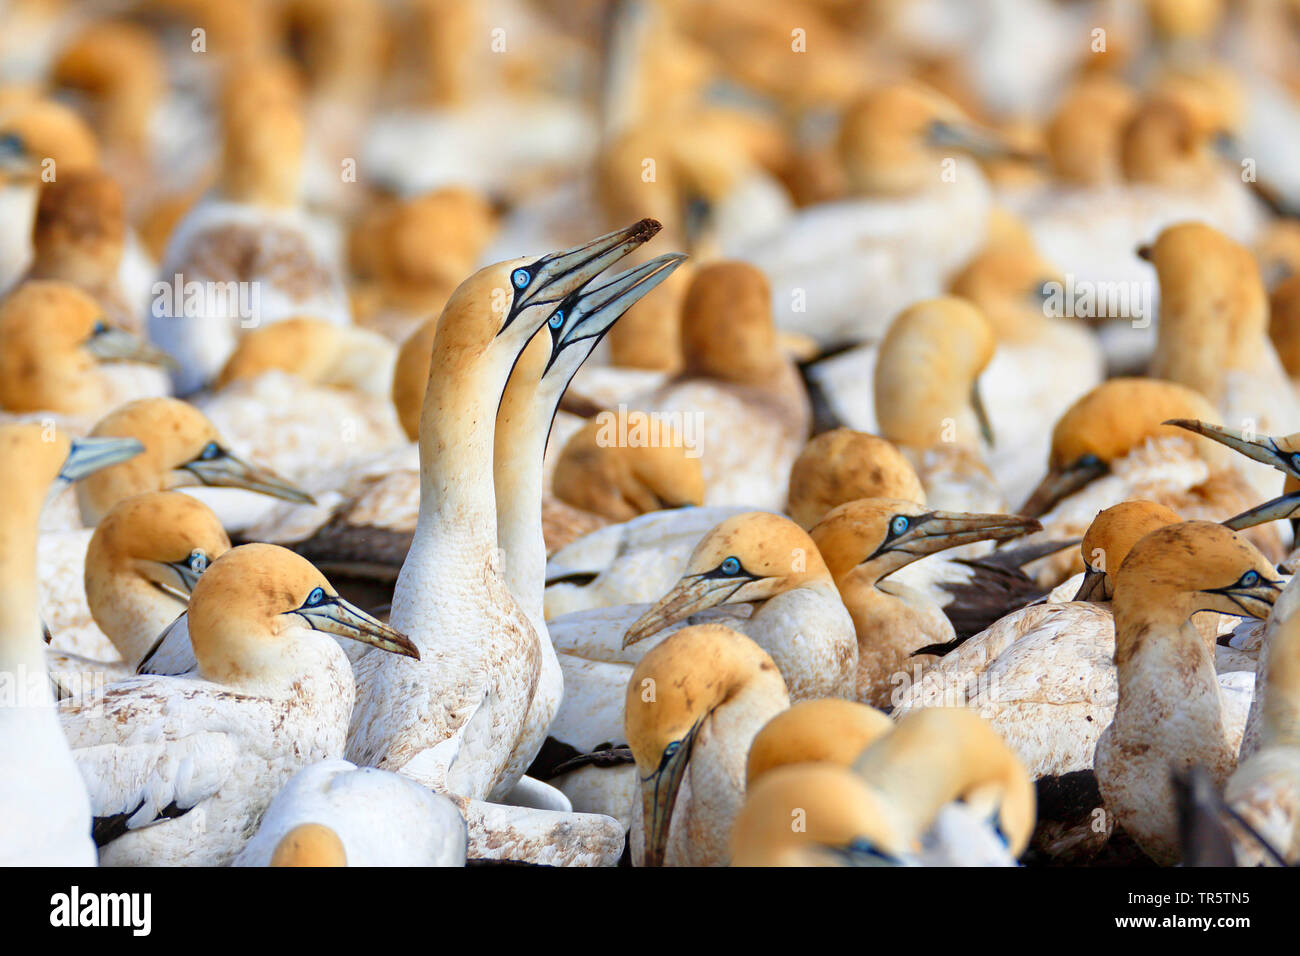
(198, 562)
(730, 566)
(672, 748)
(210, 451)
(1250, 579)
(557, 319)
(898, 525)
(520, 278)
(99, 328)
(317, 595)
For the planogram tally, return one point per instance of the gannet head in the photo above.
(264, 133)
(508, 302)
(727, 331)
(80, 228)
(255, 601)
(39, 132)
(844, 821)
(748, 557)
(52, 337)
(1109, 539)
(1009, 284)
(936, 755)
(882, 535)
(120, 66)
(305, 347)
(1106, 424)
(672, 692)
(182, 448)
(814, 731)
(1176, 139)
(1213, 307)
(620, 481)
(893, 139)
(1192, 566)
(927, 374)
(162, 537)
(844, 465)
(309, 844)
(1282, 453)
(40, 460)
(1083, 135)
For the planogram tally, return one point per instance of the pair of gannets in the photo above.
(180, 769)
(462, 720)
(248, 255)
(46, 816)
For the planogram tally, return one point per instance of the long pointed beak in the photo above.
(340, 617)
(941, 530)
(694, 592)
(89, 455)
(1286, 506)
(1058, 484)
(560, 274)
(1093, 586)
(117, 345)
(981, 414)
(595, 310)
(1263, 449)
(976, 140)
(228, 471)
(659, 796)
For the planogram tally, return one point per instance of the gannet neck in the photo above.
(1280, 723)
(22, 648)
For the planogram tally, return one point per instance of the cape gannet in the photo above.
(865, 541)
(693, 705)
(182, 450)
(375, 818)
(46, 817)
(1170, 711)
(180, 770)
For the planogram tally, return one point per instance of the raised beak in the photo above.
(594, 311)
(337, 616)
(981, 415)
(117, 345)
(1286, 506)
(89, 455)
(694, 592)
(560, 274)
(1060, 483)
(941, 530)
(1093, 586)
(225, 470)
(659, 795)
(1263, 450)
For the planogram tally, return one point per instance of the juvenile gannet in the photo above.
(459, 714)
(142, 563)
(376, 818)
(1213, 333)
(182, 449)
(693, 705)
(1170, 710)
(181, 769)
(54, 344)
(46, 818)
(251, 253)
(955, 785)
(865, 541)
(1112, 444)
(815, 731)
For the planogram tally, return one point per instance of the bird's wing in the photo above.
(171, 653)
